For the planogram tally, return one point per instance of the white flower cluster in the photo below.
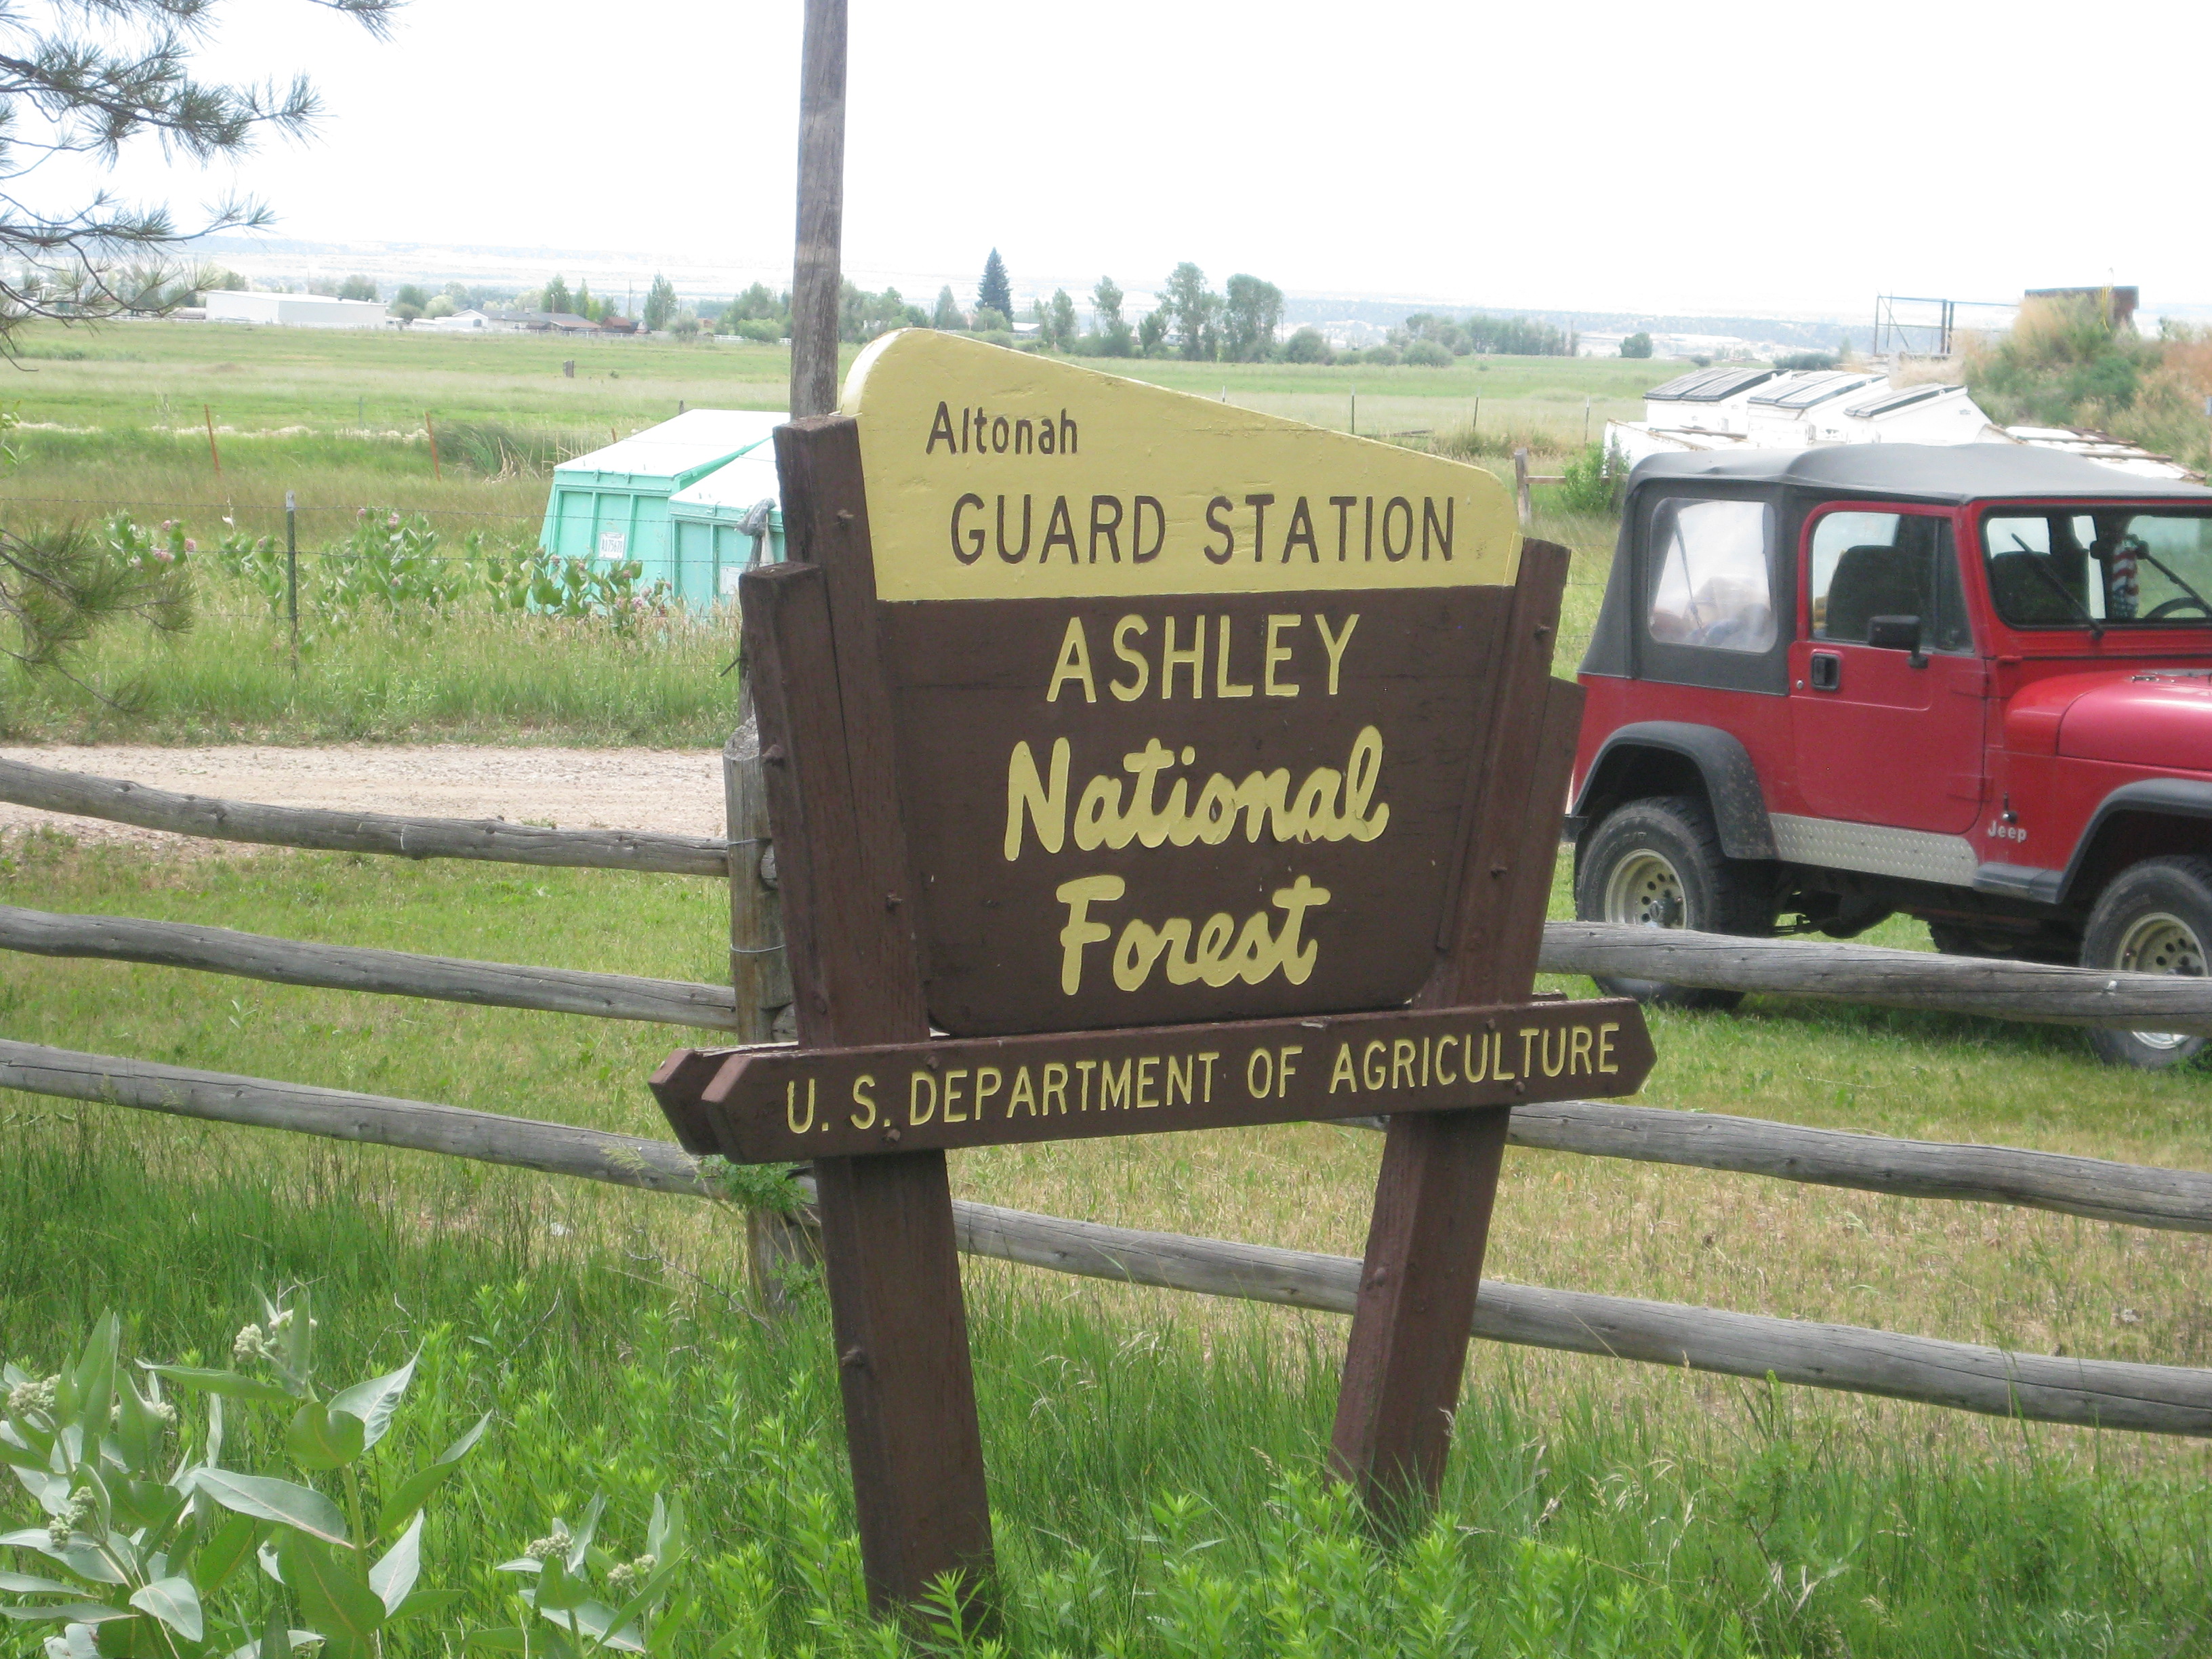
(59, 1526)
(626, 1577)
(254, 1343)
(556, 1544)
(36, 1396)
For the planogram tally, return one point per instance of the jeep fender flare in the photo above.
(2154, 798)
(1731, 781)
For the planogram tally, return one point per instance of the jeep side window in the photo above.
(2102, 567)
(1709, 574)
(1866, 565)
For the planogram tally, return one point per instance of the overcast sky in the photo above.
(1700, 156)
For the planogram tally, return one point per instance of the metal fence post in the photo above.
(775, 1243)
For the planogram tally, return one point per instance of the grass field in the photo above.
(113, 422)
(603, 1326)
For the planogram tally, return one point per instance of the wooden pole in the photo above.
(214, 454)
(292, 573)
(817, 265)
(1521, 499)
(889, 1247)
(1407, 1352)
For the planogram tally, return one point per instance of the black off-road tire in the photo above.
(1657, 863)
(2155, 917)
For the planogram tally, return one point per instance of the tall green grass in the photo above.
(1155, 1487)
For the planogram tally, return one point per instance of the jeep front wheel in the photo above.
(2155, 918)
(1658, 863)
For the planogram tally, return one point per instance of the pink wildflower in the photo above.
(392, 523)
(190, 546)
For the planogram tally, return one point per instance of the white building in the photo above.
(460, 322)
(294, 310)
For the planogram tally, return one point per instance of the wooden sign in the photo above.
(1189, 768)
(768, 1107)
(1184, 695)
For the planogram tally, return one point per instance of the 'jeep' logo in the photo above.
(2000, 831)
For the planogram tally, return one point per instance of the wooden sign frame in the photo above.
(813, 640)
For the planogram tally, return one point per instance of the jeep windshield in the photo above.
(2100, 568)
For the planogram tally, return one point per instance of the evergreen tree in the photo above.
(947, 313)
(583, 302)
(992, 294)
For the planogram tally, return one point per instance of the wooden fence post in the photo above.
(1522, 498)
(777, 1245)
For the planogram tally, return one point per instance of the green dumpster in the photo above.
(729, 520)
(613, 504)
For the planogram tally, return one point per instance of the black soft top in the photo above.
(1794, 482)
(1949, 473)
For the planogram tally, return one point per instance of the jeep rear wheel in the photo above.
(2155, 918)
(1658, 863)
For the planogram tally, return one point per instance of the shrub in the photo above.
(1381, 357)
(146, 1535)
(1427, 354)
(1307, 346)
(1637, 345)
(1798, 361)
(1593, 480)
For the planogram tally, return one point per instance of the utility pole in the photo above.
(816, 270)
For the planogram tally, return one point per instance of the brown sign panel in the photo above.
(774, 1106)
(1126, 813)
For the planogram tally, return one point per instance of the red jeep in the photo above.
(1972, 684)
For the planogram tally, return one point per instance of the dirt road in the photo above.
(679, 792)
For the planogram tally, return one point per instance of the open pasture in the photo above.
(1130, 1430)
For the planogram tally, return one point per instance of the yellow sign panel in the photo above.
(1000, 475)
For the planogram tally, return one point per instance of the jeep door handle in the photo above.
(1827, 672)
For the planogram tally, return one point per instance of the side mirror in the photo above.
(1897, 634)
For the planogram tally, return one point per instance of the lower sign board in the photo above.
(781, 1105)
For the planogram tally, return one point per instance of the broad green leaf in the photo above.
(23, 1584)
(228, 1544)
(232, 1383)
(425, 1601)
(174, 1602)
(265, 1500)
(584, 1533)
(555, 1589)
(374, 1400)
(79, 1642)
(78, 1613)
(393, 1577)
(408, 1496)
(26, 1538)
(597, 1621)
(331, 1600)
(91, 1385)
(323, 1439)
(508, 1639)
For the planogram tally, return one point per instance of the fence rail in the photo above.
(355, 967)
(2094, 1393)
(320, 829)
(2107, 1393)
(1833, 971)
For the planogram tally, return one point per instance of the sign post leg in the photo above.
(888, 1246)
(1407, 1353)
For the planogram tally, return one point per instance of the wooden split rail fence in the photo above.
(2109, 1394)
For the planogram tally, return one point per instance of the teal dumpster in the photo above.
(613, 504)
(714, 522)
